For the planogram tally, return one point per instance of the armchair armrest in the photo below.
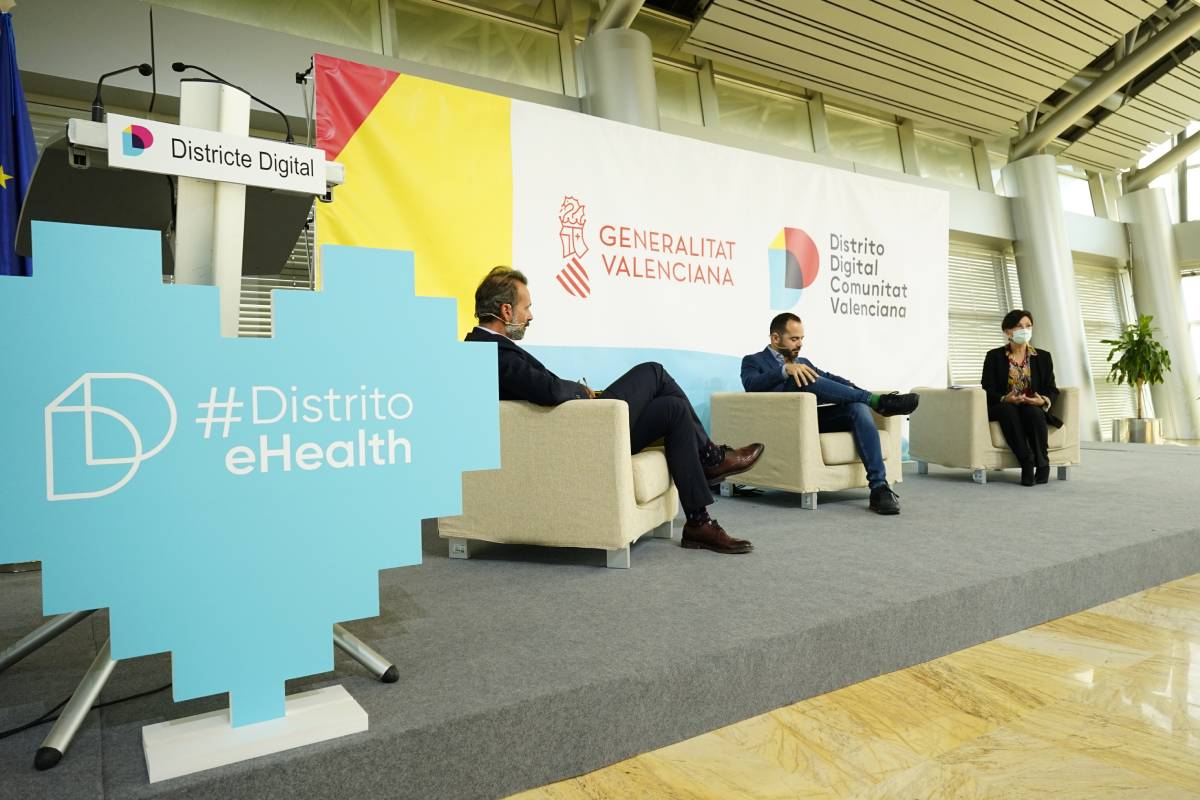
(559, 463)
(575, 451)
(950, 427)
(1067, 409)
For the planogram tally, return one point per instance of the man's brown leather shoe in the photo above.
(735, 462)
(711, 536)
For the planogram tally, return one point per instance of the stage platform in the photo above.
(524, 666)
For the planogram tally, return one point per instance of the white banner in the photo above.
(150, 146)
(635, 239)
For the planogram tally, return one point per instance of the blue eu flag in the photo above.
(18, 152)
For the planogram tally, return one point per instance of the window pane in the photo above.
(1076, 196)
(353, 23)
(997, 162)
(678, 94)
(764, 115)
(456, 39)
(1193, 192)
(942, 160)
(582, 14)
(864, 140)
(977, 304)
(1191, 301)
(540, 10)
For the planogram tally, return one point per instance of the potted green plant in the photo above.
(1141, 361)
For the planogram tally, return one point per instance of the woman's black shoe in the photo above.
(1027, 476)
(1042, 475)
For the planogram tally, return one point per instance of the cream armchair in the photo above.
(798, 458)
(951, 429)
(566, 480)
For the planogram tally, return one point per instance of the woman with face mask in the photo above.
(1019, 381)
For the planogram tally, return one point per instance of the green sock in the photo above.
(873, 402)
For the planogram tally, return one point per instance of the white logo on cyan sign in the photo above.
(89, 409)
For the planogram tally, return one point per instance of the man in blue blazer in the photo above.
(844, 406)
(658, 408)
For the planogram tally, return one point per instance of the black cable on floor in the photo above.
(50, 716)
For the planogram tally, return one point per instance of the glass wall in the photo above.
(1191, 300)
(863, 139)
(1102, 307)
(1193, 192)
(538, 10)
(678, 93)
(492, 45)
(764, 114)
(1076, 194)
(982, 284)
(352, 23)
(946, 157)
(1169, 183)
(1193, 178)
(518, 41)
(996, 162)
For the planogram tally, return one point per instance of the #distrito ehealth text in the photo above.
(271, 406)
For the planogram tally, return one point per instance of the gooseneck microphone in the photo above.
(98, 104)
(179, 66)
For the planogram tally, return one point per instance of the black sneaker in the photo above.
(884, 500)
(896, 404)
(1042, 474)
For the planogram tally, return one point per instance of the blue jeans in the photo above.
(851, 413)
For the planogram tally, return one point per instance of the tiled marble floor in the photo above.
(1102, 704)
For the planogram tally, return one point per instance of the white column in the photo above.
(1158, 291)
(618, 74)
(1047, 274)
(211, 216)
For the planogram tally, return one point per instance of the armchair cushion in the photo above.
(650, 476)
(838, 448)
(1056, 439)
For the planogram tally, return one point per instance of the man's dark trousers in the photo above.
(658, 409)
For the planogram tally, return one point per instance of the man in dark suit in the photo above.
(658, 408)
(845, 407)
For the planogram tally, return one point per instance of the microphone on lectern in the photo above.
(179, 66)
(98, 104)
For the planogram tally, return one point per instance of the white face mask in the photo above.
(513, 330)
(1022, 335)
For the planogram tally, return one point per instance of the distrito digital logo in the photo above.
(136, 139)
(100, 429)
(794, 264)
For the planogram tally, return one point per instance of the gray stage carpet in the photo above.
(523, 666)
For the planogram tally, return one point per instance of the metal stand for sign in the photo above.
(84, 697)
(212, 233)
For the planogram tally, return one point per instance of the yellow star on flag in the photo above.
(4, 178)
